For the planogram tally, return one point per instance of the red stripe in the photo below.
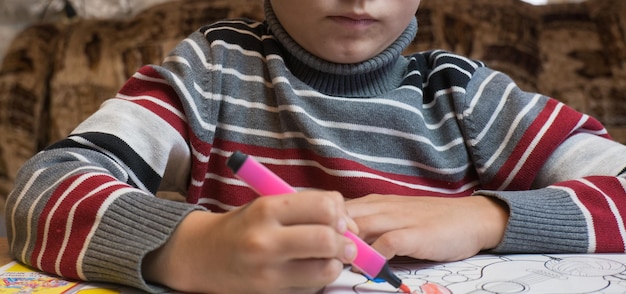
(198, 169)
(135, 87)
(54, 198)
(312, 177)
(149, 71)
(165, 114)
(83, 215)
(595, 126)
(305, 175)
(82, 223)
(616, 191)
(566, 120)
(604, 221)
(349, 188)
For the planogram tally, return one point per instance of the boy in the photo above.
(321, 94)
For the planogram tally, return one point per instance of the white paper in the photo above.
(524, 273)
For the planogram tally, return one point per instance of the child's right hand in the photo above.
(279, 244)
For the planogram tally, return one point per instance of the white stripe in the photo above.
(46, 230)
(531, 147)
(385, 102)
(339, 125)
(586, 214)
(199, 156)
(193, 106)
(373, 129)
(479, 94)
(327, 143)
(70, 220)
(584, 120)
(211, 201)
(103, 208)
(448, 66)
(146, 78)
(177, 59)
(360, 175)
(582, 155)
(121, 165)
(307, 93)
(242, 32)
(613, 207)
(18, 201)
(236, 21)
(219, 67)
(411, 86)
(494, 115)
(444, 67)
(596, 132)
(154, 100)
(199, 53)
(168, 143)
(414, 73)
(237, 48)
(274, 57)
(243, 77)
(376, 101)
(418, 91)
(508, 136)
(38, 199)
(444, 93)
(465, 59)
(340, 173)
(314, 94)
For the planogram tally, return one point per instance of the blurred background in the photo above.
(17, 14)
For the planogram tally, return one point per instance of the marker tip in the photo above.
(405, 288)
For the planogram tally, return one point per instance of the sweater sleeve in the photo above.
(558, 171)
(84, 208)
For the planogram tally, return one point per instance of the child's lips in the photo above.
(354, 21)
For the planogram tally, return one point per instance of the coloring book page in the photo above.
(482, 274)
(16, 278)
(523, 273)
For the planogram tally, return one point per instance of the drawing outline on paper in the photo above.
(483, 274)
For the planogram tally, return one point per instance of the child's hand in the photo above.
(432, 228)
(278, 244)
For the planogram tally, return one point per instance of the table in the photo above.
(533, 273)
(5, 257)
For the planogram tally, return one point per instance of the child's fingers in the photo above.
(315, 241)
(310, 207)
(312, 273)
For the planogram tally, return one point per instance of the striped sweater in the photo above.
(431, 123)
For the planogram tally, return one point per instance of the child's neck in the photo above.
(369, 78)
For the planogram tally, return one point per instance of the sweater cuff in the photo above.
(132, 227)
(541, 221)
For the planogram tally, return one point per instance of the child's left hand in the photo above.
(432, 228)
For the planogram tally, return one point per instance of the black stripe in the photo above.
(446, 78)
(116, 146)
(224, 31)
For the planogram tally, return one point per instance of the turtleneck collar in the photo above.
(372, 77)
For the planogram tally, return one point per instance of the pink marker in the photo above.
(265, 183)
